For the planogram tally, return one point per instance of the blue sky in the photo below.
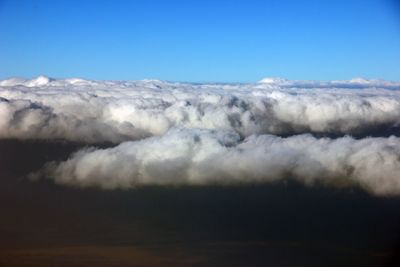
(223, 41)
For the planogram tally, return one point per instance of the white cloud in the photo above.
(198, 157)
(98, 111)
(193, 133)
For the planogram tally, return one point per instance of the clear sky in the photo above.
(230, 41)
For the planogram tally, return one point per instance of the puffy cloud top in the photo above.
(98, 111)
(184, 133)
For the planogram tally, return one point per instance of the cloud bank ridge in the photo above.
(199, 157)
(212, 133)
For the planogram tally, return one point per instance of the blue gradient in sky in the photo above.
(231, 41)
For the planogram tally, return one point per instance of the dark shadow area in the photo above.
(283, 224)
(383, 130)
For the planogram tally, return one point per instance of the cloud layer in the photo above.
(198, 157)
(183, 133)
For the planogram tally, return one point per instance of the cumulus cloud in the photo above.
(185, 133)
(198, 157)
(99, 111)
